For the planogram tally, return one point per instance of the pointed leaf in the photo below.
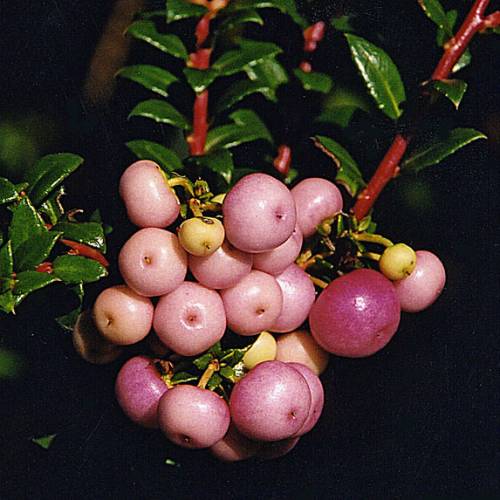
(380, 74)
(242, 17)
(220, 162)
(454, 90)
(75, 269)
(199, 79)
(182, 9)
(464, 61)
(241, 89)
(214, 382)
(203, 361)
(90, 233)
(6, 260)
(268, 72)
(44, 442)
(348, 172)
(445, 33)
(435, 12)
(319, 82)
(25, 223)
(285, 6)
(250, 53)
(148, 150)
(170, 44)
(34, 250)
(29, 281)
(183, 378)
(435, 152)
(7, 302)
(151, 77)
(52, 206)
(8, 191)
(49, 172)
(160, 112)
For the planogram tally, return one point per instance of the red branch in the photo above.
(454, 48)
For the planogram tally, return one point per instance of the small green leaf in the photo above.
(285, 6)
(228, 373)
(52, 206)
(183, 378)
(68, 321)
(203, 361)
(7, 302)
(233, 356)
(220, 162)
(319, 82)
(444, 34)
(160, 112)
(435, 152)
(44, 442)
(182, 9)
(454, 90)
(214, 382)
(170, 44)
(6, 260)
(242, 17)
(199, 79)
(251, 52)
(348, 173)
(34, 250)
(380, 74)
(216, 349)
(29, 281)
(90, 233)
(173, 463)
(148, 150)
(49, 172)
(435, 12)
(8, 191)
(151, 77)
(11, 364)
(25, 223)
(249, 127)
(268, 72)
(241, 89)
(75, 269)
(464, 61)
(343, 24)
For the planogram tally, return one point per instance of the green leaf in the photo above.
(25, 223)
(173, 463)
(6, 260)
(151, 14)
(181, 9)
(464, 61)
(228, 373)
(216, 349)
(268, 72)
(285, 6)
(380, 74)
(151, 77)
(160, 112)
(435, 152)
(242, 17)
(8, 191)
(44, 442)
(251, 52)
(11, 364)
(241, 89)
(348, 173)
(445, 33)
(454, 90)
(214, 382)
(203, 361)
(170, 44)
(435, 12)
(343, 24)
(220, 162)
(7, 302)
(34, 250)
(148, 150)
(233, 356)
(247, 127)
(199, 79)
(52, 206)
(49, 172)
(319, 82)
(90, 233)
(183, 378)
(75, 269)
(68, 321)
(29, 281)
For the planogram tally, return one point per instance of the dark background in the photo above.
(416, 420)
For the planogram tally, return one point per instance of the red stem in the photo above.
(86, 251)
(454, 48)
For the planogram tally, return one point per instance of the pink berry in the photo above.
(356, 315)
(424, 285)
(234, 447)
(259, 213)
(316, 199)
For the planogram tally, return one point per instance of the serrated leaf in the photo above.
(214, 382)
(44, 442)
(319, 82)
(7, 302)
(148, 150)
(464, 61)
(29, 281)
(181, 9)
(199, 79)
(435, 12)
(52, 206)
(444, 34)
(49, 172)
(90, 233)
(8, 191)
(75, 269)
(241, 89)
(380, 74)
(454, 90)
(6, 260)
(151, 77)
(348, 173)
(435, 152)
(34, 250)
(220, 162)
(249, 127)
(25, 223)
(285, 6)
(242, 17)
(183, 378)
(170, 44)
(203, 361)
(160, 112)
(250, 53)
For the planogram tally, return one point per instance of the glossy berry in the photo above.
(234, 447)
(201, 236)
(397, 262)
(263, 349)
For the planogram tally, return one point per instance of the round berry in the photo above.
(263, 349)
(397, 262)
(201, 236)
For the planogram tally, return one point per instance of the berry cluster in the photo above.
(237, 273)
